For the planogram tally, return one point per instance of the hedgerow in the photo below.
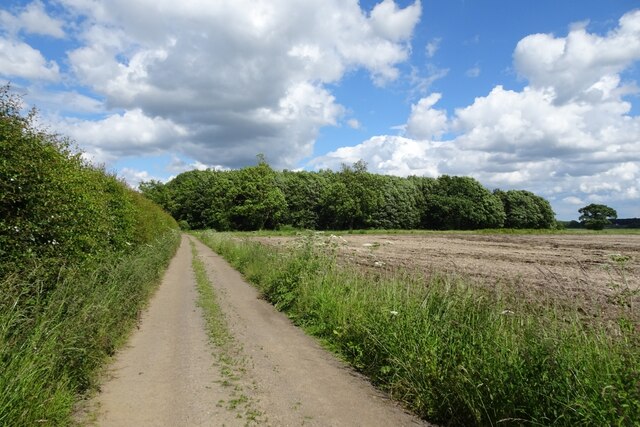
(80, 253)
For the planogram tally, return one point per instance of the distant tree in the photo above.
(596, 217)
(256, 202)
(400, 207)
(350, 198)
(303, 192)
(524, 209)
(461, 203)
(157, 192)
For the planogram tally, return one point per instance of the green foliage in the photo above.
(454, 354)
(255, 201)
(524, 209)
(461, 203)
(596, 217)
(257, 198)
(51, 348)
(303, 192)
(54, 208)
(79, 253)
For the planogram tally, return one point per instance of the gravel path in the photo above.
(169, 375)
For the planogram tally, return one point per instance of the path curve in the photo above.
(167, 375)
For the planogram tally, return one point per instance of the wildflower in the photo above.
(393, 313)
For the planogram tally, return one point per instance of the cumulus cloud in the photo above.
(426, 122)
(568, 135)
(236, 78)
(32, 19)
(18, 59)
(581, 65)
(119, 135)
(393, 23)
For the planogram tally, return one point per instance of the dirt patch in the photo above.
(597, 274)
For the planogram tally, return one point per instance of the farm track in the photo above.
(169, 375)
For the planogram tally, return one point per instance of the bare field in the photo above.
(598, 274)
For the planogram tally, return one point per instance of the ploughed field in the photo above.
(598, 275)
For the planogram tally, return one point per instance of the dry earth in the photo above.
(600, 274)
(169, 375)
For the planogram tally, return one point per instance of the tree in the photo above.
(595, 217)
(256, 202)
(461, 203)
(524, 209)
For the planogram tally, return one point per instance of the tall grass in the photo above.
(50, 348)
(454, 354)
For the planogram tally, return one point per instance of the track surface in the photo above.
(169, 374)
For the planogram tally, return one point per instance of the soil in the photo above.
(599, 275)
(170, 375)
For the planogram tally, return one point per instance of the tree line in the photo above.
(258, 197)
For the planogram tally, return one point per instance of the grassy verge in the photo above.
(51, 349)
(228, 355)
(454, 354)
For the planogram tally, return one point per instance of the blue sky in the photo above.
(538, 95)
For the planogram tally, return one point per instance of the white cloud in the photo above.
(394, 23)
(473, 72)
(134, 177)
(32, 19)
(432, 47)
(573, 200)
(18, 59)
(426, 122)
(394, 155)
(577, 66)
(422, 83)
(242, 77)
(354, 124)
(120, 135)
(569, 138)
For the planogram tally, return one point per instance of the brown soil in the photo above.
(169, 374)
(578, 271)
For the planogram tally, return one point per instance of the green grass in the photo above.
(51, 349)
(228, 355)
(452, 353)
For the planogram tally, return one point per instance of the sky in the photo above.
(540, 96)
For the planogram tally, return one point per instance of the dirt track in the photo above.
(168, 376)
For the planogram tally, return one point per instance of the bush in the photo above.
(80, 253)
(57, 210)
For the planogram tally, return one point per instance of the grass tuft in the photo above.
(227, 352)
